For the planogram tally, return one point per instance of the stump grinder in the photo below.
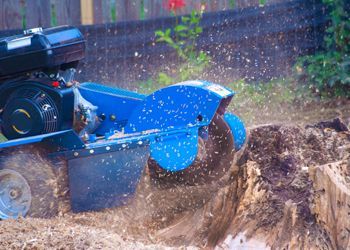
(104, 136)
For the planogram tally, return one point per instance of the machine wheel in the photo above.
(214, 158)
(28, 185)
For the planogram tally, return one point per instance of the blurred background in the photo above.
(270, 51)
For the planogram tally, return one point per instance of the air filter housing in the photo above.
(41, 49)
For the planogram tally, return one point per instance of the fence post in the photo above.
(87, 11)
(11, 14)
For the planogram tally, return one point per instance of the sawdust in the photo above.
(288, 188)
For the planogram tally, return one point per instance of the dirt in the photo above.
(288, 188)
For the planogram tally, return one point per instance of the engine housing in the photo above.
(31, 108)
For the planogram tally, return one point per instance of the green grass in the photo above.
(261, 102)
(276, 91)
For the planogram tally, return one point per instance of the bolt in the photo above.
(103, 117)
(13, 194)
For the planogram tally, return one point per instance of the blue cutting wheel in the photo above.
(214, 158)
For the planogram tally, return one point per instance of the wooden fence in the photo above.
(21, 14)
(255, 43)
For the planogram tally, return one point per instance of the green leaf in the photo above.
(168, 40)
(167, 32)
(180, 27)
(198, 30)
(164, 79)
(185, 19)
(159, 33)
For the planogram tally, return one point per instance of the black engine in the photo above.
(29, 111)
(34, 108)
(36, 72)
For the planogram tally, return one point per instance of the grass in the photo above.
(254, 101)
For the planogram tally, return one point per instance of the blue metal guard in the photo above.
(112, 90)
(105, 180)
(237, 129)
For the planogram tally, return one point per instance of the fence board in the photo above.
(207, 5)
(190, 5)
(214, 5)
(246, 3)
(38, 13)
(226, 5)
(128, 10)
(133, 8)
(221, 5)
(155, 8)
(98, 11)
(268, 2)
(67, 12)
(254, 43)
(102, 11)
(10, 14)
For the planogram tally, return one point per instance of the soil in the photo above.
(288, 188)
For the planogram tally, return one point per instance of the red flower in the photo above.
(174, 5)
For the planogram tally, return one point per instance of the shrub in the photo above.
(183, 39)
(328, 73)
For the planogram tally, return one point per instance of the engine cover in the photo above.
(40, 49)
(28, 112)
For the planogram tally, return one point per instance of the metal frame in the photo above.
(165, 126)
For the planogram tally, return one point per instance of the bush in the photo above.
(183, 39)
(328, 73)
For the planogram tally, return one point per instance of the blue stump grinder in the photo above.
(105, 137)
